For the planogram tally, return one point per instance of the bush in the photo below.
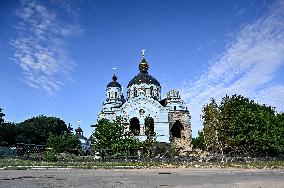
(112, 137)
(63, 143)
(50, 156)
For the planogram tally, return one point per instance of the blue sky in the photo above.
(56, 57)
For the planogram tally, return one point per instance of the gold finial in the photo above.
(143, 66)
(143, 53)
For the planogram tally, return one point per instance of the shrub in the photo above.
(50, 156)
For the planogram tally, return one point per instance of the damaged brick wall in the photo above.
(180, 131)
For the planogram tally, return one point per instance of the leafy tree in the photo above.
(250, 127)
(1, 116)
(112, 135)
(241, 126)
(8, 132)
(37, 129)
(213, 138)
(125, 147)
(63, 143)
(148, 146)
(279, 132)
(198, 142)
(149, 126)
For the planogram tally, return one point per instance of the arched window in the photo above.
(151, 90)
(176, 129)
(158, 92)
(135, 92)
(115, 95)
(149, 126)
(134, 126)
(143, 91)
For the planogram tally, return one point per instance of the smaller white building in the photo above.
(85, 143)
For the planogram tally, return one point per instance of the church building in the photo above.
(147, 113)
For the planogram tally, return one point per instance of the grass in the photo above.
(28, 164)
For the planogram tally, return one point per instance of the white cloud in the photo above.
(247, 66)
(39, 46)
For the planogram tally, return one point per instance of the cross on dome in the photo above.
(143, 53)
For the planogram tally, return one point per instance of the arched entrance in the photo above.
(134, 126)
(176, 129)
(149, 126)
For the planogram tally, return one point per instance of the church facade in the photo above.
(148, 115)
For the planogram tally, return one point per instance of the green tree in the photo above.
(112, 135)
(149, 126)
(149, 145)
(198, 142)
(212, 128)
(63, 143)
(279, 132)
(37, 129)
(1, 117)
(241, 126)
(250, 127)
(8, 133)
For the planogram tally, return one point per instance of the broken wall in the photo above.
(180, 131)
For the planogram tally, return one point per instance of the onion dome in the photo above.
(114, 82)
(143, 76)
(78, 130)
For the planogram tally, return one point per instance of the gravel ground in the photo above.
(142, 178)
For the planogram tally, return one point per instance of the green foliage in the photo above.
(50, 156)
(113, 136)
(149, 146)
(32, 131)
(149, 126)
(8, 132)
(63, 143)
(198, 142)
(213, 138)
(279, 132)
(239, 125)
(37, 129)
(1, 117)
(125, 147)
